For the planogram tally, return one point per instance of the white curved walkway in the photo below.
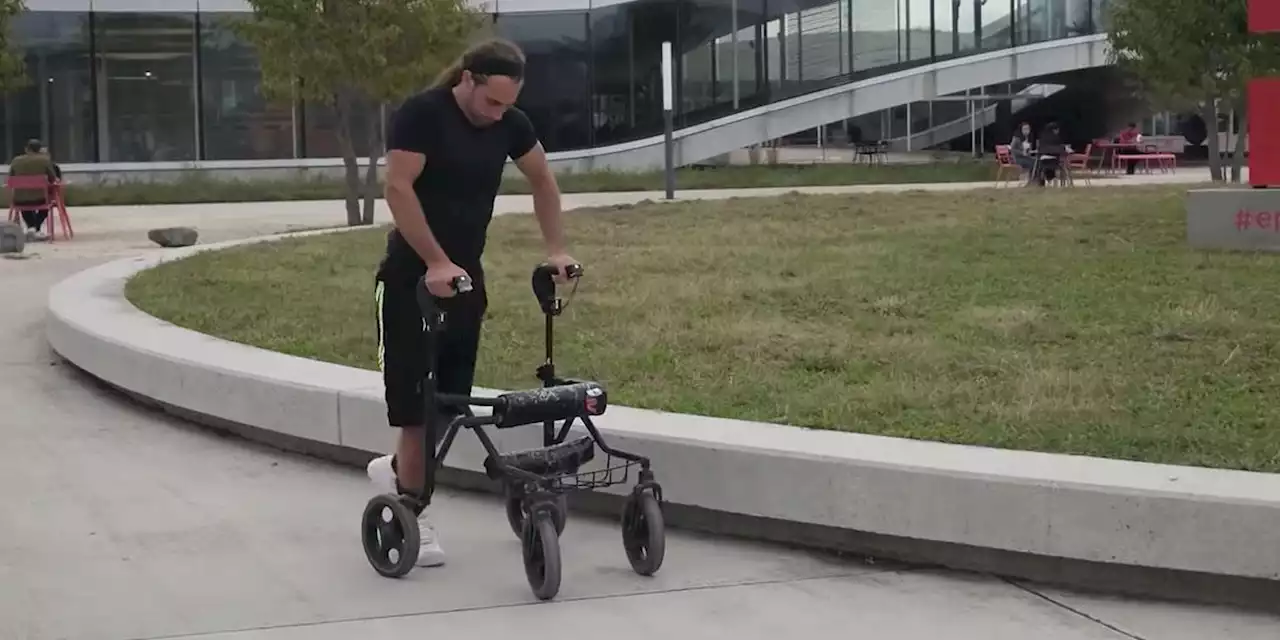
(121, 523)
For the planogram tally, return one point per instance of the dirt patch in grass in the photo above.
(1073, 322)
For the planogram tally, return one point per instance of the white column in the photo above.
(195, 91)
(733, 8)
(908, 127)
(104, 109)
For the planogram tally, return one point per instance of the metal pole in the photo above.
(982, 133)
(667, 120)
(908, 127)
(733, 39)
(973, 126)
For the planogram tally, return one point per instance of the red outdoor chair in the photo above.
(52, 203)
(1005, 164)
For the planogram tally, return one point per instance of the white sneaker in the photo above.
(382, 475)
(429, 552)
(383, 478)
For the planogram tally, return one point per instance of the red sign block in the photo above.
(1264, 16)
(1264, 133)
(1264, 128)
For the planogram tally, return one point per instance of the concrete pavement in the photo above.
(122, 523)
(117, 227)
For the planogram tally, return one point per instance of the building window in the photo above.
(56, 105)
(146, 86)
(557, 77)
(626, 60)
(238, 121)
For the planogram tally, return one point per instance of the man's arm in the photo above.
(546, 198)
(409, 142)
(403, 168)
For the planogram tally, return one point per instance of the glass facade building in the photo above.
(125, 81)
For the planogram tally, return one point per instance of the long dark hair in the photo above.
(493, 49)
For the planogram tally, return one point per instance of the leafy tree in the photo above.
(1193, 55)
(12, 65)
(357, 56)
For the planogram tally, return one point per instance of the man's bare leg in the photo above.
(410, 472)
(404, 473)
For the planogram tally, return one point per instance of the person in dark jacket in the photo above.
(33, 162)
(1051, 151)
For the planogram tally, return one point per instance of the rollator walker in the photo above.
(536, 481)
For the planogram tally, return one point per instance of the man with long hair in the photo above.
(446, 150)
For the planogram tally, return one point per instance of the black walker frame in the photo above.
(535, 480)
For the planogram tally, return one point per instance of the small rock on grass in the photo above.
(174, 236)
(13, 238)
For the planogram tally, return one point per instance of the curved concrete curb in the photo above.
(1173, 531)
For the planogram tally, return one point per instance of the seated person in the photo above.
(1130, 135)
(32, 162)
(1128, 142)
(1021, 145)
(1051, 151)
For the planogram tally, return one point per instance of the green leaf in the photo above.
(13, 74)
(1182, 53)
(378, 50)
(356, 55)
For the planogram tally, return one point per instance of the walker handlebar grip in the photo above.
(462, 284)
(544, 284)
(560, 402)
(547, 271)
(427, 300)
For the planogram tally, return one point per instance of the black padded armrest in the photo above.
(561, 402)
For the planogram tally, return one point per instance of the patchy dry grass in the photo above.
(1073, 321)
(200, 188)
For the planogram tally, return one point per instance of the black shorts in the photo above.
(403, 350)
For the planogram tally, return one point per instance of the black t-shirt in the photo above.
(457, 187)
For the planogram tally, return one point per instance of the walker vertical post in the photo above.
(667, 120)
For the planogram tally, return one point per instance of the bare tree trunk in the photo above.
(1237, 158)
(343, 106)
(1209, 112)
(371, 174)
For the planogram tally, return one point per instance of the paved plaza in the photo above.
(122, 523)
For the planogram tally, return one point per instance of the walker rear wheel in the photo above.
(541, 548)
(389, 533)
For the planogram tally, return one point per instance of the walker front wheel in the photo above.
(389, 533)
(541, 548)
(644, 533)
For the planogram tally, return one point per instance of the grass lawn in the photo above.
(1073, 322)
(198, 189)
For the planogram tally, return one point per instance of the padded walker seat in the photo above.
(535, 406)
